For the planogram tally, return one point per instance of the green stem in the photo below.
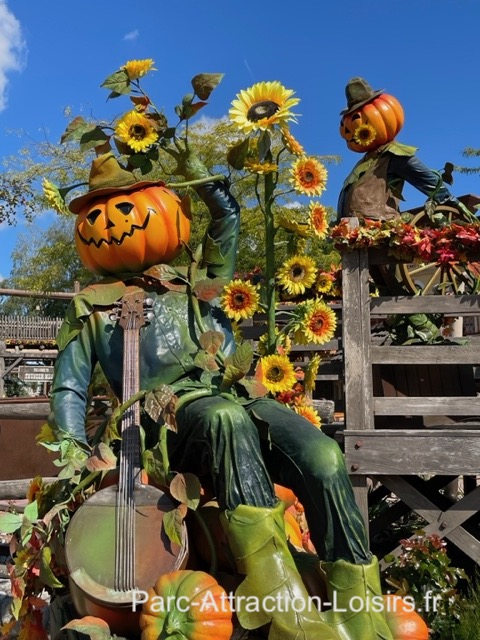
(270, 261)
(193, 183)
(162, 441)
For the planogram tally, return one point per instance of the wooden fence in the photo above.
(29, 327)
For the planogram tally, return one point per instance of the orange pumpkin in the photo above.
(186, 604)
(129, 231)
(404, 623)
(381, 118)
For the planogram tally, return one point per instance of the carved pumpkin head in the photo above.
(125, 226)
(371, 119)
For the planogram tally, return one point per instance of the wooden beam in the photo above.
(426, 354)
(450, 305)
(428, 406)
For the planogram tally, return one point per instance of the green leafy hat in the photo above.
(358, 93)
(108, 176)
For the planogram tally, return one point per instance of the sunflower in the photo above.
(309, 176)
(309, 413)
(261, 168)
(277, 373)
(300, 228)
(297, 274)
(283, 343)
(262, 106)
(54, 197)
(311, 372)
(291, 142)
(35, 487)
(318, 219)
(364, 135)
(314, 322)
(324, 282)
(240, 300)
(138, 68)
(136, 130)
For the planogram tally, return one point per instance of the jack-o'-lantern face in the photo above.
(129, 231)
(373, 124)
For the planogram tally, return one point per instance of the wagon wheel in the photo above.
(426, 278)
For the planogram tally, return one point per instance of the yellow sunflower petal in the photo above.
(240, 300)
(314, 322)
(277, 373)
(309, 176)
(136, 130)
(262, 106)
(318, 219)
(309, 413)
(138, 68)
(297, 274)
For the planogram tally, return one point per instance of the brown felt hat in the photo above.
(108, 176)
(358, 93)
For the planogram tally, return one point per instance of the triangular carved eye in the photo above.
(125, 207)
(93, 215)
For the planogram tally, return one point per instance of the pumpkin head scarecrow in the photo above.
(369, 124)
(237, 444)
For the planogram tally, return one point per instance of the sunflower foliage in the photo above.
(300, 276)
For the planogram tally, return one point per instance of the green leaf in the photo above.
(10, 522)
(46, 574)
(242, 358)
(101, 459)
(188, 99)
(211, 341)
(232, 374)
(264, 145)
(75, 129)
(92, 138)
(157, 401)
(154, 464)
(118, 83)
(209, 288)
(173, 523)
(31, 511)
(205, 361)
(95, 628)
(186, 488)
(204, 83)
(237, 154)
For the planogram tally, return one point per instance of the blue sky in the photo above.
(55, 54)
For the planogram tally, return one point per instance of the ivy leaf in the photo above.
(232, 374)
(210, 288)
(94, 628)
(161, 403)
(173, 523)
(153, 463)
(211, 341)
(205, 361)
(186, 488)
(31, 511)
(101, 459)
(75, 129)
(204, 83)
(118, 83)
(191, 109)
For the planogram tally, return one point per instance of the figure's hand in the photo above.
(189, 164)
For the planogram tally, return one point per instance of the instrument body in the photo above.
(116, 543)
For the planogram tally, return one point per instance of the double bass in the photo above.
(115, 543)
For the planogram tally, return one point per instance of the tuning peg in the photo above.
(148, 303)
(149, 316)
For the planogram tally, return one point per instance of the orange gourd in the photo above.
(186, 604)
(381, 119)
(129, 231)
(404, 623)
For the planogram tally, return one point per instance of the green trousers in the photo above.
(243, 449)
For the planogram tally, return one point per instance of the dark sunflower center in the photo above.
(275, 374)
(239, 300)
(262, 109)
(298, 272)
(137, 131)
(308, 176)
(316, 323)
(364, 134)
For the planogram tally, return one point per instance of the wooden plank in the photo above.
(451, 305)
(412, 452)
(428, 406)
(17, 489)
(360, 491)
(28, 411)
(426, 354)
(356, 344)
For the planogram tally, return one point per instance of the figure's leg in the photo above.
(310, 463)
(219, 435)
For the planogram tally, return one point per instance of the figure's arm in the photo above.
(416, 173)
(69, 395)
(221, 239)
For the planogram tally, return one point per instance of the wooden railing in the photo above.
(29, 327)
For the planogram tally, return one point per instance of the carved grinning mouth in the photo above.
(113, 240)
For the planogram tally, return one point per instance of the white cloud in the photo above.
(12, 48)
(132, 35)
